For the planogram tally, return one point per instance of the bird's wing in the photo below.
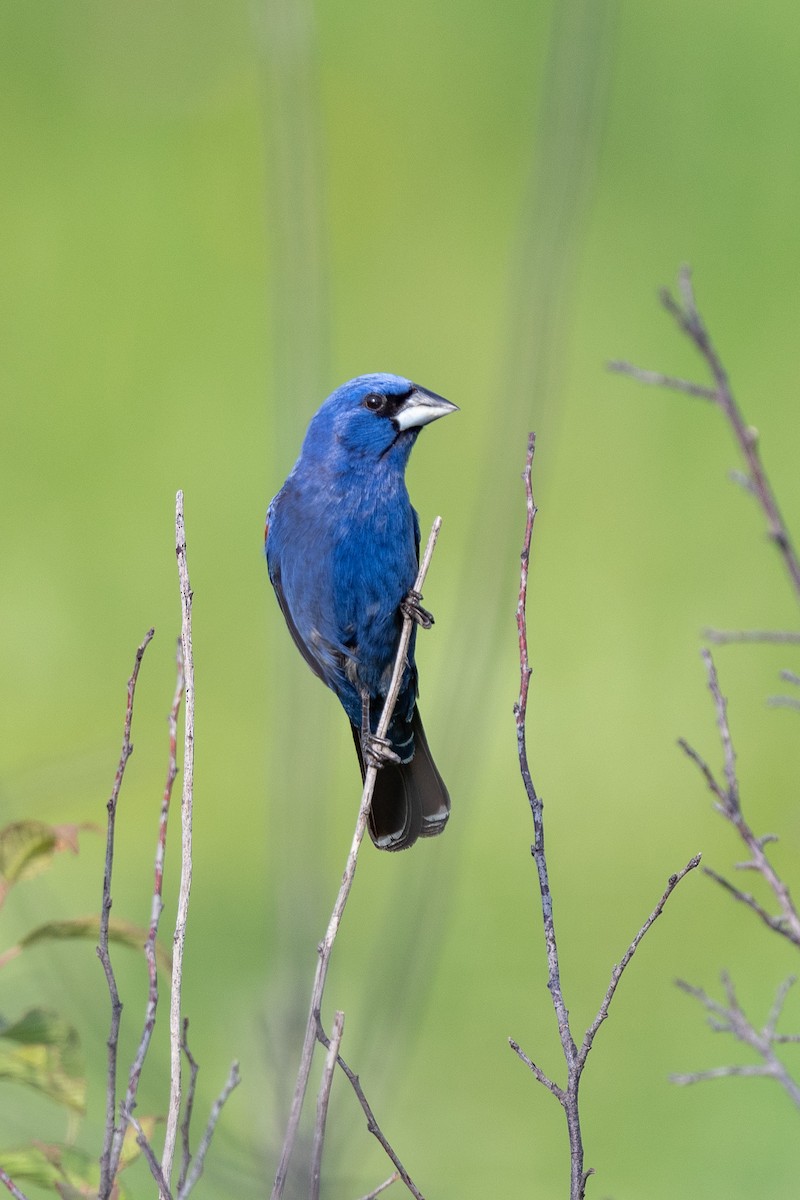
(304, 649)
(415, 515)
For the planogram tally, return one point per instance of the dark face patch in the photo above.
(384, 405)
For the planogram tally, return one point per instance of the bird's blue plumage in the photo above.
(342, 548)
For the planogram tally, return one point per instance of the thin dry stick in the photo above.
(689, 320)
(8, 1182)
(372, 1125)
(323, 1099)
(175, 1022)
(724, 637)
(731, 1018)
(143, 1142)
(326, 945)
(728, 805)
(575, 1058)
(233, 1081)
(156, 907)
(188, 1107)
(387, 1183)
(106, 1173)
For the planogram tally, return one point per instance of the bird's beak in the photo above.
(420, 408)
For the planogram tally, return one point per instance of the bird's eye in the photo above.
(374, 402)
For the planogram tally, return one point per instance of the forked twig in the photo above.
(575, 1058)
(685, 313)
(107, 1167)
(325, 947)
(728, 805)
(731, 1018)
(157, 904)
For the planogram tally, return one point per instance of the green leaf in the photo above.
(43, 1051)
(73, 1174)
(28, 847)
(121, 933)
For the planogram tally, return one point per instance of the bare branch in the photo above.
(706, 772)
(616, 974)
(8, 1182)
(787, 923)
(372, 1125)
(731, 1018)
(188, 1108)
(325, 947)
(544, 1080)
(686, 314)
(657, 379)
(776, 924)
(381, 1187)
(575, 1059)
(187, 801)
(323, 1100)
(724, 637)
(196, 1170)
(143, 1142)
(721, 705)
(129, 1103)
(106, 1172)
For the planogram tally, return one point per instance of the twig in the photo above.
(143, 1142)
(157, 905)
(8, 1182)
(616, 974)
(175, 1022)
(196, 1170)
(372, 1125)
(575, 1058)
(323, 1099)
(106, 1172)
(326, 945)
(724, 637)
(188, 1108)
(685, 313)
(728, 805)
(731, 1018)
(387, 1183)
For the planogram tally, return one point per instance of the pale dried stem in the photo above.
(323, 1099)
(187, 800)
(325, 947)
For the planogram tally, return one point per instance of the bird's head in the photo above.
(375, 415)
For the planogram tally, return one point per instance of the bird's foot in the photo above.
(377, 751)
(410, 607)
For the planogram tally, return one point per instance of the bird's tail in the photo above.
(410, 799)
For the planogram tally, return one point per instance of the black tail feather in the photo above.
(410, 799)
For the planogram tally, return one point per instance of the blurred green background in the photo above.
(213, 213)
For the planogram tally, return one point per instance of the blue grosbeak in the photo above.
(342, 543)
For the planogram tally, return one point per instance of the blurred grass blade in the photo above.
(121, 933)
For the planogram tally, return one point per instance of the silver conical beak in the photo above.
(421, 408)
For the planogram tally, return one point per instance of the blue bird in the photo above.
(342, 544)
